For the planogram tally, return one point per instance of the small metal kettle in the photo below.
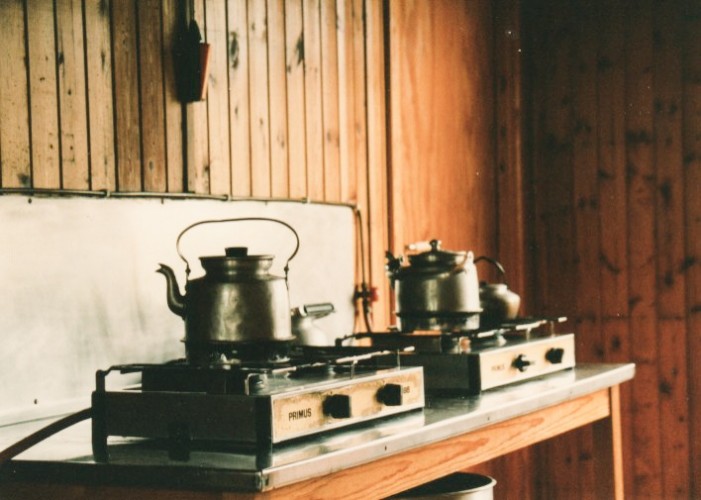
(304, 328)
(437, 290)
(238, 300)
(499, 304)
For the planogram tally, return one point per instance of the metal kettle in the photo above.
(237, 300)
(437, 290)
(499, 304)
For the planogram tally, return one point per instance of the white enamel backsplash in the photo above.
(79, 291)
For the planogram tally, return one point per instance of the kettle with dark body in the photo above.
(438, 290)
(499, 304)
(237, 301)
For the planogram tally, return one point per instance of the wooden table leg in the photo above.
(608, 459)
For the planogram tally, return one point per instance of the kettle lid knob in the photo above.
(236, 251)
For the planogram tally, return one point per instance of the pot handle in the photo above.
(239, 219)
(495, 263)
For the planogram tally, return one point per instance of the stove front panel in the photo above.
(525, 360)
(358, 400)
(491, 367)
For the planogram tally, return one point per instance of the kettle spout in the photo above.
(176, 300)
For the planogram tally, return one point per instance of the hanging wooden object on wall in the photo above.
(192, 63)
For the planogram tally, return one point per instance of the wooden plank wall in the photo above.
(614, 156)
(442, 121)
(455, 148)
(88, 101)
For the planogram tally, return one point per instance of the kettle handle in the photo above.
(495, 263)
(238, 219)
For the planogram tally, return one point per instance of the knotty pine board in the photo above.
(151, 84)
(442, 154)
(14, 111)
(100, 102)
(239, 97)
(197, 140)
(647, 462)
(215, 33)
(277, 67)
(173, 110)
(41, 47)
(692, 207)
(330, 99)
(259, 82)
(625, 274)
(126, 97)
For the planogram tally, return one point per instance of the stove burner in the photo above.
(229, 353)
(252, 404)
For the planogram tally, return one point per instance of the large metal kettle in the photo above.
(437, 290)
(237, 300)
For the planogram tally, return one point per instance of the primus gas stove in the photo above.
(472, 361)
(251, 406)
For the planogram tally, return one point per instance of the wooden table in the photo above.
(455, 435)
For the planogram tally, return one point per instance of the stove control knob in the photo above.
(337, 406)
(521, 363)
(390, 395)
(555, 355)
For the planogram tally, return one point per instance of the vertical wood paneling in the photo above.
(691, 32)
(377, 182)
(636, 244)
(358, 172)
(294, 57)
(330, 101)
(442, 143)
(197, 127)
(313, 99)
(669, 244)
(586, 217)
(218, 98)
(359, 145)
(279, 165)
(41, 48)
(239, 108)
(172, 24)
(552, 187)
(98, 45)
(260, 108)
(126, 96)
(14, 105)
(510, 173)
(613, 268)
(151, 95)
(72, 99)
(554, 289)
(511, 209)
(346, 73)
(641, 255)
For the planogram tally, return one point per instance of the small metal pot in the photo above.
(461, 485)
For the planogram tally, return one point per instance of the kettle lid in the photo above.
(237, 259)
(437, 256)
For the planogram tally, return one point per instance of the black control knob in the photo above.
(337, 406)
(390, 395)
(555, 355)
(521, 363)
